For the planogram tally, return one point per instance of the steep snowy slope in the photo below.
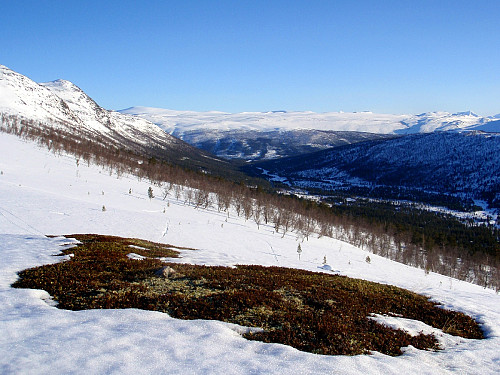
(62, 106)
(42, 193)
(19, 95)
(102, 122)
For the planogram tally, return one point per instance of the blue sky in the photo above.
(381, 56)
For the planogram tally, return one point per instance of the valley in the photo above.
(363, 206)
(43, 192)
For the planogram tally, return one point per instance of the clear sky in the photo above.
(381, 56)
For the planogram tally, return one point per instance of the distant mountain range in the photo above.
(178, 122)
(270, 135)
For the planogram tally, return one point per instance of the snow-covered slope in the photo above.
(62, 106)
(178, 122)
(103, 122)
(19, 95)
(41, 193)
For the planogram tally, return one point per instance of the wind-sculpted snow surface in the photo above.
(42, 193)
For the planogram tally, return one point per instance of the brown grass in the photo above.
(314, 312)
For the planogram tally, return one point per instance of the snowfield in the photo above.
(178, 122)
(42, 193)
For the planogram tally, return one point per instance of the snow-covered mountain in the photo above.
(270, 135)
(443, 121)
(62, 106)
(21, 96)
(179, 122)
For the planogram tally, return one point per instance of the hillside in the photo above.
(60, 109)
(252, 145)
(46, 193)
(78, 168)
(464, 164)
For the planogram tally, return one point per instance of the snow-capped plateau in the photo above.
(259, 136)
(179, 122)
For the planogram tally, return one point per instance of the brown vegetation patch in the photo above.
(314, 312)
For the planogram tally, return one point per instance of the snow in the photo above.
(42, 193)
(21, 95)
(85, 108)
(415, 327)
(98, 119)
(179, 122)
(135, 256)
(63, 105)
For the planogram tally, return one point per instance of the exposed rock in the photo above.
(168, 273)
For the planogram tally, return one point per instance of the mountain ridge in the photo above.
(61, 106)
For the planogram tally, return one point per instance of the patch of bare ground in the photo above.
(313, 312)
